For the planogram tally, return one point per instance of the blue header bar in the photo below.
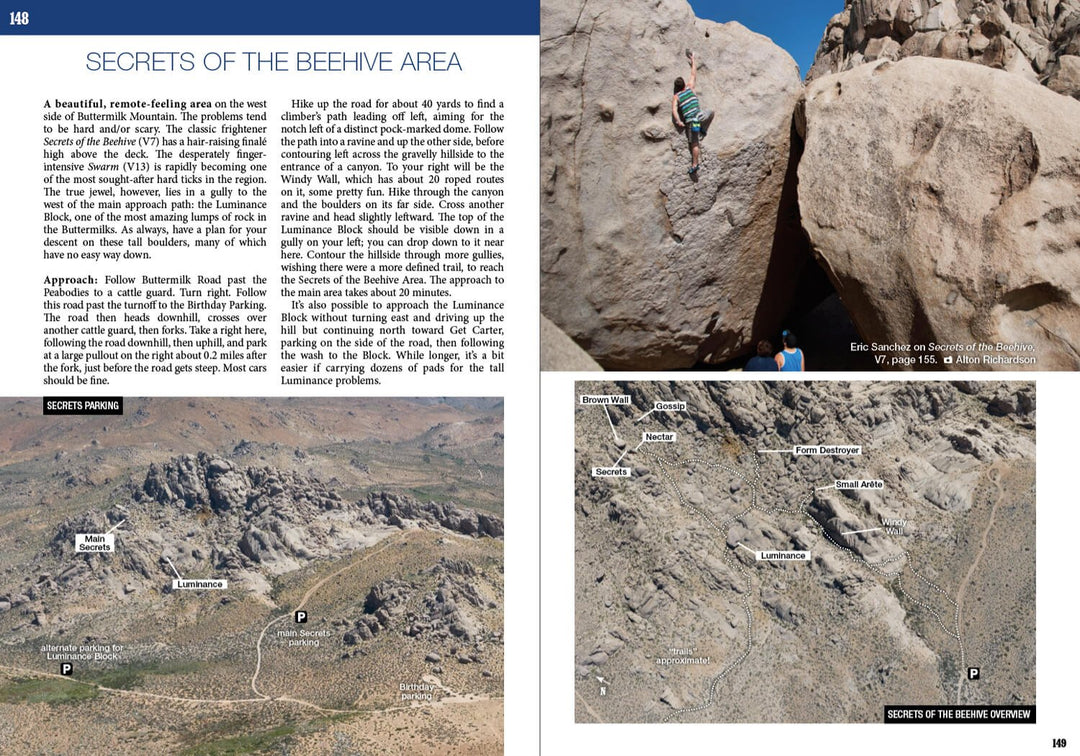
(271, 17)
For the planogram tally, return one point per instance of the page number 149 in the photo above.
(19, 18)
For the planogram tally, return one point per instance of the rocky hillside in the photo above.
(1036, 39)
(666, 556)
(212, 518)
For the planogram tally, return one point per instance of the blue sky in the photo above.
(795, 25)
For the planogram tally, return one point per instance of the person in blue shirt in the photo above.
(763, 361)
(790, 359)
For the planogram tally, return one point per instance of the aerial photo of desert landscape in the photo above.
(211, 576)
(803, 551)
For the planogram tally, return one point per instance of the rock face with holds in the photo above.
(642, 265)
(1037, 39)
(942, 200)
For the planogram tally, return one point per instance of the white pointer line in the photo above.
(645, 415)
(748, 549)
(114, 527)
(609, 422)
(822, 488)
(775, 451)
(853, 532)
(173, 567)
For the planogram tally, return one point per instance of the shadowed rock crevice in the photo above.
(1034, 296)
(790, 274)
(1022, 165)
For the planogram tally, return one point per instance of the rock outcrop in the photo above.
(941, 198)
(394, 509)
(560, 352)
(450, 611)
(383, 603)
(205, 481)
(211, 516)
(1037, 39)
(642, 265)
(270, 497)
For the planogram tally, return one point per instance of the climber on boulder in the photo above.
(688, 113)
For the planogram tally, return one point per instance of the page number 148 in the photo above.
(19, 18)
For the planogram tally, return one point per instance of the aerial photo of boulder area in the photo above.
(803, 551)
(252, 575)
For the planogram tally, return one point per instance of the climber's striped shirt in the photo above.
(689, 107)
